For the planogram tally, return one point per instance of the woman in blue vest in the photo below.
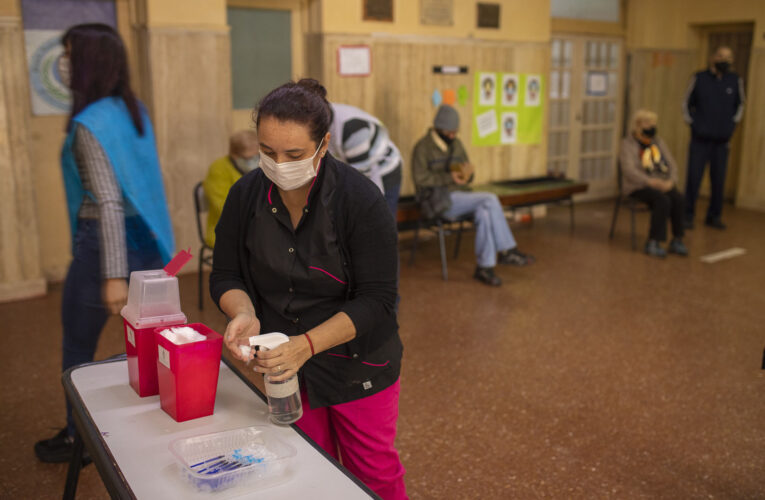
(115, 196)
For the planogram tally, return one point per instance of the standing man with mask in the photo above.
(713, 105)
(224, 172)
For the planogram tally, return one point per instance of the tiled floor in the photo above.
(596, 373)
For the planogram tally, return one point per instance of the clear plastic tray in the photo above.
(252, 455)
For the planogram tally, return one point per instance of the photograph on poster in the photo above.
(533, 90)
(510, 89)
(488, 90)
(509, 130)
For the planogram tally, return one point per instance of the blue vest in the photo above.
(135, 163)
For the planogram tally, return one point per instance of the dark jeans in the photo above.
(663, 205)
(392, 189)
(701, 152)
(83, 314)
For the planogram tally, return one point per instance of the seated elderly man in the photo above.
(242, 157)
(439, 160)
(649, 174)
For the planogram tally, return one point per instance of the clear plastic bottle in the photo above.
(284, 404)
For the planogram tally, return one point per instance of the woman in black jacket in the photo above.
(306, 246)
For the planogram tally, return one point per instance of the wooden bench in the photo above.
(514, 194)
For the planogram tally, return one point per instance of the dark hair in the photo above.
(99, 69)
(304, 102)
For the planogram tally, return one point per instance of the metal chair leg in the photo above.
(632, 229)
(613, 219)
(75, 464)
(199, 279)
(459, 240)
(442, 248)
(414, 244)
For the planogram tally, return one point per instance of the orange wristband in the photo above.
(309, 343)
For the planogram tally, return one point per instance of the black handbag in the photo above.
(434, 201)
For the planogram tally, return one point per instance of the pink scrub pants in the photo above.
(363, 432)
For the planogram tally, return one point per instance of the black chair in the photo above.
(205, 251)
(443, 227)
(634, 205)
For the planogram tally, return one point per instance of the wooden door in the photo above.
(586, 104)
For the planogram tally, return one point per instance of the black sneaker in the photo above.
(515, 257)
(653, 249)
(678, 247)
(716, 223)
(486, 276)
(59, 449)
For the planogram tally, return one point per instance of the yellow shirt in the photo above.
(220, 177)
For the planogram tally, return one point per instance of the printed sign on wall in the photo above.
(45, 22)
(508, 108)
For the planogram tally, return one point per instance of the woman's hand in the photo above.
(241, 327)
(288, 357)
(114, 293)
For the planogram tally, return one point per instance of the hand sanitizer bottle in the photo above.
(284, 405)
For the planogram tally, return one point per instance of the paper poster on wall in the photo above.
(354, 60)
(487, 89)
(509, 89)
(509, 131)
(435, 98)
(462, 95)
(45, 21)
(450, 97)
(597, 83)
(486, 123)
(533, 90)
(514, 118)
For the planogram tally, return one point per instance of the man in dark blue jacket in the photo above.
(713, 105)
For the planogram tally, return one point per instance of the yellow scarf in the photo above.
(651, 158)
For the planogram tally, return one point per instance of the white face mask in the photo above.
(247, 164)
(290, 174)
(65, 70)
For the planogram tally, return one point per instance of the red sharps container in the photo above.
(153, 301)
(188, 373)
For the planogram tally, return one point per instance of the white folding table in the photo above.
(128, 436)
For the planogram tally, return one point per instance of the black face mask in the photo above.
(444, 137)
(649, 132)
(722, 66)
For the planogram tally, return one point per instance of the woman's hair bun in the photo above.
(313, 86)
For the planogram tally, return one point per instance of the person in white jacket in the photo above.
(362, 141)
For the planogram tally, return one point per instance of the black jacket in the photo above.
(713, 106)
(342, 257)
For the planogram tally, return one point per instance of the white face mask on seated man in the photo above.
(291, 174)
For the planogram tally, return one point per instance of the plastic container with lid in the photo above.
(153, 301)
(188, 373)
(252, 456)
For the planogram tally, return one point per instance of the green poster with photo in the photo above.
(507, 108)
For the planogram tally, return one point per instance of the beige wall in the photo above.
(186, 13)
(674, 39)
(403, 54)
(520, 20)
(670, 24)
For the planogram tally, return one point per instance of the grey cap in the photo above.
(446, 118)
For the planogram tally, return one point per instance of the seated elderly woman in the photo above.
(649, 174)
